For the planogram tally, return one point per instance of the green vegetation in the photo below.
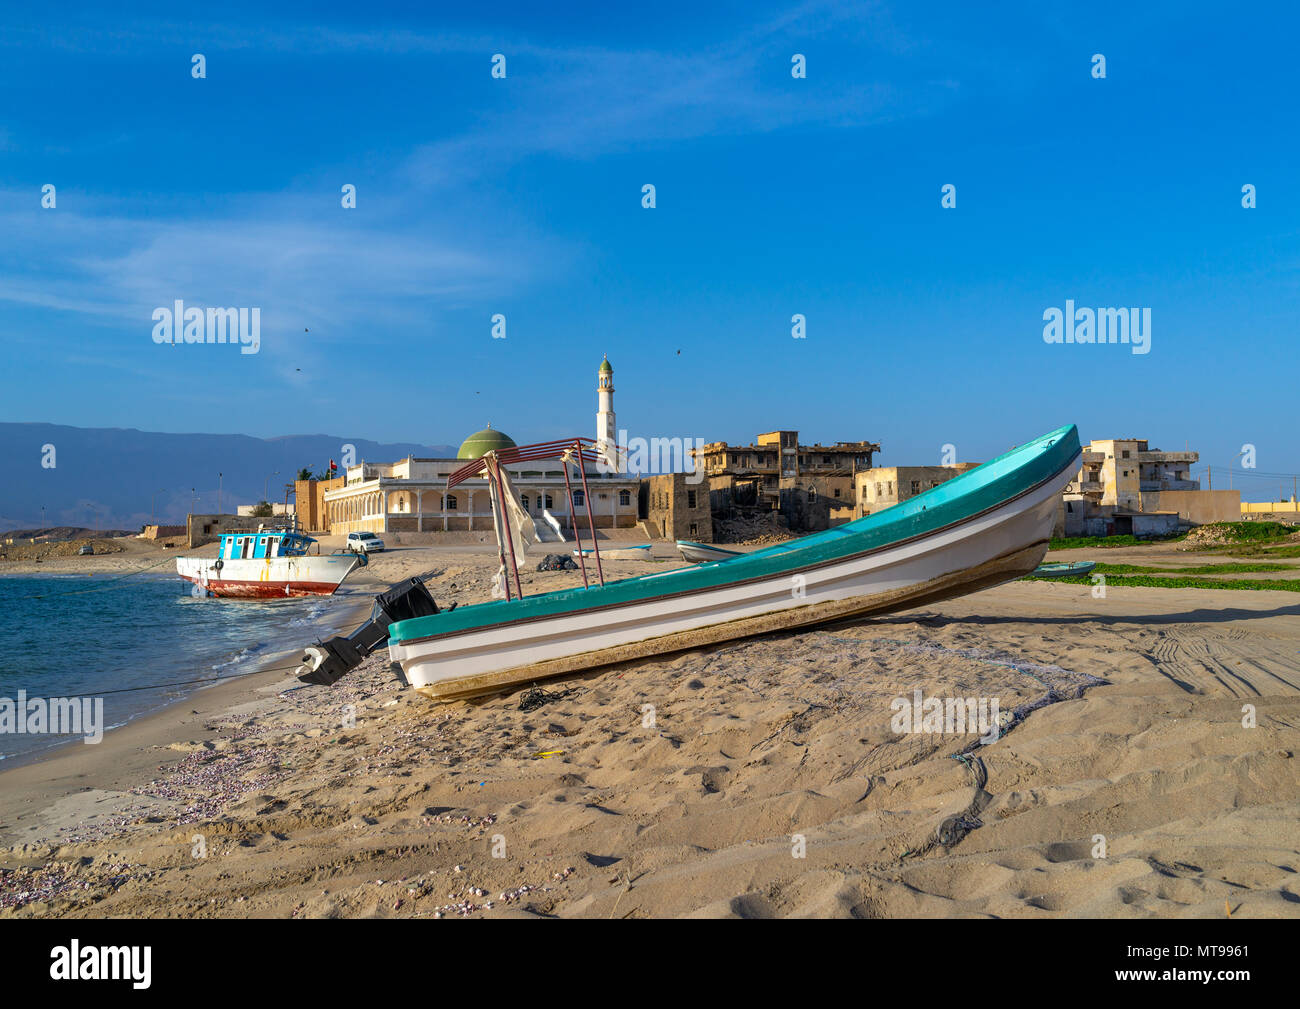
(262, 510)
(1157, 582)
(1200, 569)
(1079, 542)
(1253, 532)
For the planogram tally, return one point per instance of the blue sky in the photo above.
(775, 196)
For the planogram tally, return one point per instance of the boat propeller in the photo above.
(327, 662)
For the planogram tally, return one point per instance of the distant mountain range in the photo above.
(106, 477)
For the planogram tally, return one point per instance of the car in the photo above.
(86, 549)
(363, 543)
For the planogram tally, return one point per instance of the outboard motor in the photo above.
(328, 661)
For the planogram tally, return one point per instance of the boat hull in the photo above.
(1001, 543)
(702, 553)
(268, 577)
(638, 553)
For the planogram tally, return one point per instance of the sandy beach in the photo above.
(757, 779)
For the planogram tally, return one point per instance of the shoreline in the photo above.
(306, 815)
(145, 729)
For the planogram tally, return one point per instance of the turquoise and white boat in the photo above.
(267, 564)
(1074, 569)
(986, 526)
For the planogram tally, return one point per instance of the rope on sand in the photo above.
(183, 683)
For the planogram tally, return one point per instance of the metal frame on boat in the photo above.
(988, 525)
(577, 451)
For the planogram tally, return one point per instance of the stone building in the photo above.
(1123, 487)
(810, 486)
(674, 508)
(885, 486)
(411, 495)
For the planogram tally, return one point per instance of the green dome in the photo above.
(484, 441)
(606, 368)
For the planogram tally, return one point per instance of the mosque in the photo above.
(411, 495)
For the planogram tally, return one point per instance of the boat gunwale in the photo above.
(489, 625)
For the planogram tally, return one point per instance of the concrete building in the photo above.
(885, 486)
(810, 486)
(411, 495)
(309, 502)
(279, 509)
(1124, 487)
(676, 509)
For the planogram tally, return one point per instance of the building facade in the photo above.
(411, 495)
(810, 486)
(676, 509)
(1124, 487)
(885, 486)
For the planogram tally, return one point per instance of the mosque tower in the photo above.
(606, 432)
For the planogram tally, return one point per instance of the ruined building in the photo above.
(809, 486)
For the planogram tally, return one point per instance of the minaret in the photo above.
(606, 432)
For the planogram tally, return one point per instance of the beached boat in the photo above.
(986, 526)
(1075, 569)
(703, 553)
(267, 564)
(640, 552)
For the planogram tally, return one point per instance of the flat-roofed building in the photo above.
(885, 486)
(809, 486)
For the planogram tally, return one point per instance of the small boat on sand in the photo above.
(1075, 569)
(983, 527)
(703, 553)
(639, 552)
(268, 564)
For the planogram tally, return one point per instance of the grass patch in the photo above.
(1158, 582)
(1200, 569)
(1254, 532)
(1081, 542)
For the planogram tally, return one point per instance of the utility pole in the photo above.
(218, 493)
(267, 483)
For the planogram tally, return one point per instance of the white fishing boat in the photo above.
(640, 552)
(703, 553)
(268, 564)
(986, 526)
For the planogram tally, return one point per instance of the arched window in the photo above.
(548, 502)
(451, 502)
(624, 498)
(524, 500)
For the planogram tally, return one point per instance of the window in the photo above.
(812, 494)
(246, 547)
(451, 502)
(1125, 456)
(624, 498)
(916, 486)
(549, 503)
(826, 459)
(690, 499)
(879, 492)
(837, 492)
(524, 500)
(694, 531)
(579, 498)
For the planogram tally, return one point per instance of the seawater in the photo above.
(78, 636)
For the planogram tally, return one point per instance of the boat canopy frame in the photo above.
(576, 451)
